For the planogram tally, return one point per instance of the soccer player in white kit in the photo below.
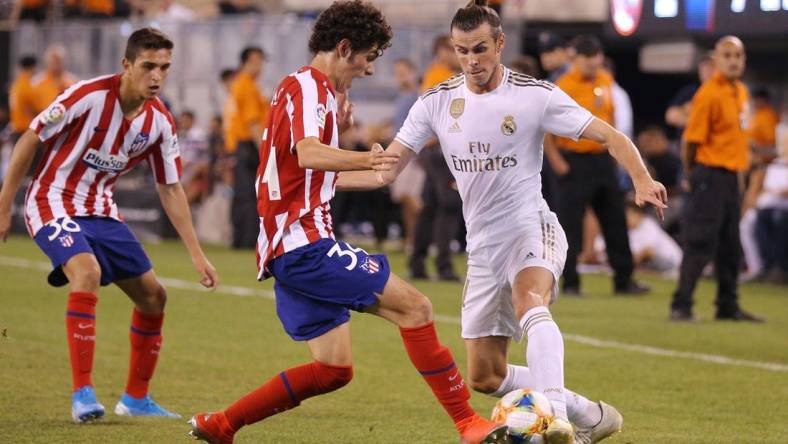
(491, 122)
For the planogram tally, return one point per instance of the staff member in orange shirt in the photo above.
(54, 80)
(762, 132)
(22, 98)
(715, 150)
(587, 173)
(444, 64)
(245, 114)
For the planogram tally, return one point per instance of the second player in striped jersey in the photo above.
(93, 133)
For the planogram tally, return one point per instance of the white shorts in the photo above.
(487, 308)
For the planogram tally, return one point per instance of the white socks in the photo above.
(581, 412)
(545, 356)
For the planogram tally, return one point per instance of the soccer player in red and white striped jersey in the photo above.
(93, 133)
(318, 279)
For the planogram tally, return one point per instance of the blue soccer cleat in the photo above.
(84, 406)
(129, 406)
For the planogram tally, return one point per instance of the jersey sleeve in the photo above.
(563, 117)
(699, 120)
(307, 107)
(54, 118)
(417, 129)
(165, 159)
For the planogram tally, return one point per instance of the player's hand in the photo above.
(649, 191)
(208, 276)
(561, 167)
(344, 112)
(381, 160)
(5, 223)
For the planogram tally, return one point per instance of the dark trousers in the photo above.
(246, 222)
(710, 230)
(440, 217)
(592, 180)
(771, 230)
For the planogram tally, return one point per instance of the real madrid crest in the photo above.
(457, 107)
(508, 127)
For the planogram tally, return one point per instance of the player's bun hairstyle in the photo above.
(360, 22)
(144, 39)
(475, 14)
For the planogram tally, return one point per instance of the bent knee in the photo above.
(332, 377)
(485, 383)
(86, 277)
(154, 300)
(529, 300)
(418, 309)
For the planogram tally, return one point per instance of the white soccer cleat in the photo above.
(559, 432)
(611, 423)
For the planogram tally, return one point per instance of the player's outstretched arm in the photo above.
(314, 155)
(173, 199)
(647, 190)
(21, 159)
(370, 180)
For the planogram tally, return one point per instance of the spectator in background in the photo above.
(555, 55)
(35, 10)
(665, 167)
(54, 79)
(196, 157)
(772, 222)
(171, 11)
(441, 212)
(587, 173)
(622, 105)
(762, 128)
(245, 115)
(525, 64)
(232, 7)
(97, 9)
(22, 98)
(715, 151)
(679, 108)
(444, 64)
(407, 187)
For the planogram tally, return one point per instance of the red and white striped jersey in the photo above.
(292, 201)
(89, 144)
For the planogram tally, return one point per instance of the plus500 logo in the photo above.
(109, 163)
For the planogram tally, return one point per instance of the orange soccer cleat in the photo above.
(477, 430)
(212, 428)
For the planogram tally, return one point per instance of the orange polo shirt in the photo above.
(246, 107)
(48, 87)
(763, 126)
(595, 95)
(717, 119)
(106, 7)
(22, 101)
(435, 73)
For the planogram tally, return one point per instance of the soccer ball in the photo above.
(526, 413)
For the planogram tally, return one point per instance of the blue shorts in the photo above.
(117, 250)
(318, 284)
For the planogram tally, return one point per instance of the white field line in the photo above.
(580, 339)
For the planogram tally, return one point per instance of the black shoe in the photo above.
(573, 292)
(633, 289)
(740, 315)
(682, 316)
(448, 276)
(419, 275)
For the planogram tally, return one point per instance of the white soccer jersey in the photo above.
(492, 143)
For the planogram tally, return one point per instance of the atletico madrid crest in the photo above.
(66, 240)
(370, 265)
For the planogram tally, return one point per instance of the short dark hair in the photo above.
(187, 113)
(587, 45)
(761, 93)
(249, 50)
(475, 14)
(28, 61)
(226, 74)
(144, 39)
(360, 22)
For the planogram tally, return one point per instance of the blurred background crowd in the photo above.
(230, 54)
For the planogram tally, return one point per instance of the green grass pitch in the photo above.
(218, 346)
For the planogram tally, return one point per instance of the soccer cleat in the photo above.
(610, 423)
(212, 428)
(559, 432)
(482, 431)
(129, 406)
(84, 406)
